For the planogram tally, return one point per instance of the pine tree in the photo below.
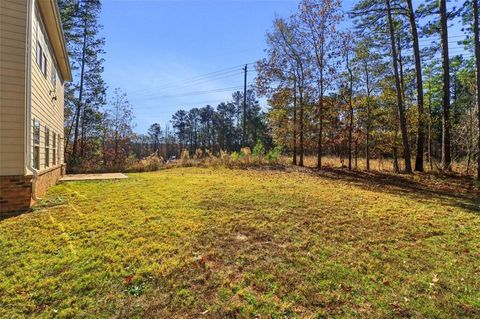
(87, 94)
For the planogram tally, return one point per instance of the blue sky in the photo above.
(159, 51)
(156, 51)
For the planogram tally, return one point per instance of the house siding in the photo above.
(21, 27)
(13, 40)
(45, 108)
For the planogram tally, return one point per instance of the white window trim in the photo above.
(36, 144)
(47, 147)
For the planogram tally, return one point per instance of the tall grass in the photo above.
(384, 164)
(259, 156)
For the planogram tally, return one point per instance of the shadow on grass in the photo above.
(453, 190)
(7, 215)
(35, 207)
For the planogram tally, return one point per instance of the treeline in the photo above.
(394, 85)
(388, 87)
(209, 129)
(98, 129)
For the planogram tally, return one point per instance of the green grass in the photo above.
(219, 243)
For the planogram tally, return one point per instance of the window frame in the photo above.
(44, 69)
(36, 144)
(53, 77)
(58, 148)
(54, 148)
(47, 147)
(39, 54)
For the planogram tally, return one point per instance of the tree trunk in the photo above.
(320, 124)
(367, 146)
(477, 60)
(356, 154)
(294, 121)
(430, 150)
(300, 91)
(82, 132)
(319, 147)
(80, 92)
(350, 109)
(419, 84)
(401, 108)
(67, 137)
(396, 167)
(470, 138)
(446, 149)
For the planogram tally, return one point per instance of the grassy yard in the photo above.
(219, 243)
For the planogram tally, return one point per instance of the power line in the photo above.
(193, 80)
(211, 76)
(185, 105)
(188, 84)
(156, 96)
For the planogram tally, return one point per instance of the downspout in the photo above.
(28, 101)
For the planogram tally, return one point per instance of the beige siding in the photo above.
(13, 39)
(45, 108)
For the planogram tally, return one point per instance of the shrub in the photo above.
(235, 156)
(147, 164)
(246, 155)
(185, 156)
(273, 156)
(259, 150)
(198, 153)
(224, 157)
(209, 154)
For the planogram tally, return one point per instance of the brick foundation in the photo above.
(47, 179)
(16, 191)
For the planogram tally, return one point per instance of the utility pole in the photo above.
(244, 106)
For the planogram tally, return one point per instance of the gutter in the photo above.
(29, 169)
(62, 40)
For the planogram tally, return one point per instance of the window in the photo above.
(36, 144)
(54, 148)
(47, 147)
(59, 149)
(53, 77)
(41, 59)
(39, 54)
(44, 69)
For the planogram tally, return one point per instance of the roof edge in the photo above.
(53, 24)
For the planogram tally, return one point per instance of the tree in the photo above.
(120, 118)
(347, 48)
(476, 33)
(446, 147)
(400, 105)
(471, 15)
(320, 19)
(287, 62)
(419, 83)
(193, 119)
(155, 135)
(179, 123)
(370, 69)
(87, 94)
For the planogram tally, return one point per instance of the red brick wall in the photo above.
(47, 179)
(15, 193)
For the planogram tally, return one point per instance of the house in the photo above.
(33, 69)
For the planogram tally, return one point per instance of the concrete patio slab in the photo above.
(88, 177)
